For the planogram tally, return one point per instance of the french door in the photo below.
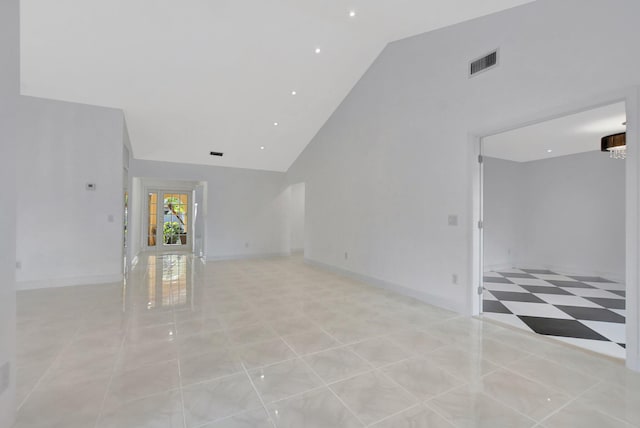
(168, 220)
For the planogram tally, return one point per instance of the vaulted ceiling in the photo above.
(194, 76)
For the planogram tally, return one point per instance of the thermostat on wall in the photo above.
(91, 186)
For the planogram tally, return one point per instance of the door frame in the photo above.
(631, 98)
(160, 247)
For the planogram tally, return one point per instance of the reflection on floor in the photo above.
(586, 311)
(277, 343)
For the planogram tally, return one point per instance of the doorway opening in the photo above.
(552, 230)
(166, 216)
(168, 220)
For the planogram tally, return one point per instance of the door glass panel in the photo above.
(175, 218)
(153, 219)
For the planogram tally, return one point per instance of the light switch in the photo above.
(110, 218)
(453, 220)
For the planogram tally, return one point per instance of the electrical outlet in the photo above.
(346, 255)
(452, 220)
(18, 264)
(454, 278)
(246, 244)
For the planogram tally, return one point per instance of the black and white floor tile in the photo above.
(585, 311)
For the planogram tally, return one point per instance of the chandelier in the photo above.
(615, 144)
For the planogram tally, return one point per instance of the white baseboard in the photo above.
(498, 267)
(400, 289)
(67, 282)
(564, 270)
(586, 272)
(246, 256)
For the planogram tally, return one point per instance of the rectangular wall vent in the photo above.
(483, 64)
(216, 153)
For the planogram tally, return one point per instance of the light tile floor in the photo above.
(277, 343)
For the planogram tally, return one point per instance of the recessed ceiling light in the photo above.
(293, 92)
(275, 124)
(549, 151)
(352, 13)
(318, 50)
(261, 147)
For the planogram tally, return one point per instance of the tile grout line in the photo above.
(386, 418)
(296, 395)
(326, 385)
(591, 285)
(552, 387)
(111, 377)
(379, 369)
(503, 366)
(224, 418)
(48, 369)
(465, 383)
(344, 300)
(184, 411)
(549, 340)
(253, 385)
(419, 400)
(575, 400)
(491, 397)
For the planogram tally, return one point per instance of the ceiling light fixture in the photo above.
(615, 144)
(352, 13)
(275, 124)
(318, 50)
(261, 147)
(549, 151)
(293, 92)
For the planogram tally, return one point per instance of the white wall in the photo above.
(136, 209)
(247, 210)
(9, 89)
(200, 226)
(395, 159)
(66, 234)
(575, 214)
(565, 213)
(297, 217)
(503, 201)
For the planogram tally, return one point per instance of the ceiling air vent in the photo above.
(483, 64)
(216, 154)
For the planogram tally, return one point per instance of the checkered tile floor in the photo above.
(585, 311)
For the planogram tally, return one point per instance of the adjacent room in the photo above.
(554, 228)
(319, 214)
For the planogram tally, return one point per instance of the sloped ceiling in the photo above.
(194, 76)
